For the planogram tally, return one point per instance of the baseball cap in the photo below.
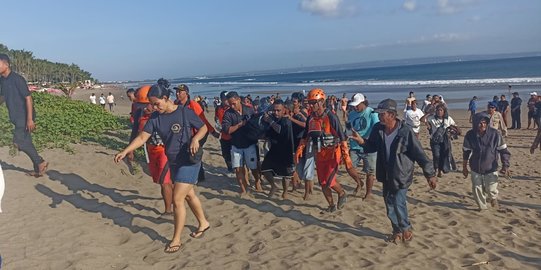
(492, 104)
(357, 99)
(182, 87)
(386, 105)
(533, 94)
(515, 93)
(223, 94)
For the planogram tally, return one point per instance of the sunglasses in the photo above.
(312, 102)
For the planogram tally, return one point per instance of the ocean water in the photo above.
(456, 81)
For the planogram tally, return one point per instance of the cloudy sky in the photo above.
(132, 39)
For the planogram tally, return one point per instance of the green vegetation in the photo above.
(61, 122)
(44, 71)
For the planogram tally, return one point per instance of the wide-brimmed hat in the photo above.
(386, 105)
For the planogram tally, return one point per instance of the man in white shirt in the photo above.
(413, 118)
(93, 99)
(111, 101)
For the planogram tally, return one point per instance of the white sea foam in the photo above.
(491, 81)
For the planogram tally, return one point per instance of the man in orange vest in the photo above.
(324, 136)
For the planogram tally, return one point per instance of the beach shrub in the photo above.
(62, 122)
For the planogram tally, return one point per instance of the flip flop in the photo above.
(172, 249)
(199, 234)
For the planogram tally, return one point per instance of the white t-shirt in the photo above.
(110, 99)
(388, 141)
(413, 119)
(436, 123)
(93, 99)
(102, 100)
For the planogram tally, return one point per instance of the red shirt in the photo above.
(219, 114)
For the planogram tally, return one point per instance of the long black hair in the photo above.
(158, 91)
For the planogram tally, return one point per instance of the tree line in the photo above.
(44, 71)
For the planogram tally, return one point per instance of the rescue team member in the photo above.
(327, 136)
(155, 149)
(174, 124)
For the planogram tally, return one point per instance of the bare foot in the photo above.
(357, 190)
(367, 196)
(284, 195)
(272, 191)
(258, 187)
(306, 196)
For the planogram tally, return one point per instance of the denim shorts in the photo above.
(185, 173)
(241, 156)
(368, 160)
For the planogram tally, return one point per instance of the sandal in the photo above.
(407, 235)
(394, 238)
(199, 234)
(172, 249)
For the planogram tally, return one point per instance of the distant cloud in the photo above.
(454, 6)
(409, 5)
(327, 8)
(435, 38)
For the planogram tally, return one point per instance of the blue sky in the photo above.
(133, 40)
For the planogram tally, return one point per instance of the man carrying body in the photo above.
(14, 91)
(362, 120)
(483, 145)
(397, 149)
(243, 149)
(278, 161)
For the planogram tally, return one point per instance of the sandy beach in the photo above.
(90, 213)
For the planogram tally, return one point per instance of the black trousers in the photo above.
(23, 140)
(515, 119)
(226, 153)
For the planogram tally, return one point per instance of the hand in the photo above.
(465, 171)
(356, 137)
(30, 125)
(130, 156)
(120, 156)
(432, 182)
(194, 146)
(298, 155)
(215, 134)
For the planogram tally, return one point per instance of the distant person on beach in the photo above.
(426, 103)
(344, 105)
(243, 150)
(361, 121)
(93, 99)
(330, 145)
(440, 143)
(14, 92)
(409, 99)
(483, 146)
(158, 164)
(413, 117)
(537, 112)
(225, 138)
(102, 101)
(496, 119)
(503, 108)
(516, 103)
(174, 124)
(531, 110)
(278, 162)
(111, 101)
(472, 107)
(395, 165)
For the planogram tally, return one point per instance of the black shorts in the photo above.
(531, 114)
(277, 167)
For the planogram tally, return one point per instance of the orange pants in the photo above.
(327, 161)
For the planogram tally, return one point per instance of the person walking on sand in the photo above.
(531, 110)
(397, 149)
(14, 92)
(243, 149)
(361, 120)
(174, 124)
(503, 108)
(516, 103)
(324, 130)
(93, 99)
(483, 145)
(344, 105)
(472, 107)
(158, 164)
(413, 117)
(278, 162)
(111, 101)
(496, 119)
(102, 101)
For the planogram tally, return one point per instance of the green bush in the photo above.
(61, 122)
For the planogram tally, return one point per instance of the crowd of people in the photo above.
(304, 140)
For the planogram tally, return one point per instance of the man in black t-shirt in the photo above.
(14, 91)
(244, 148)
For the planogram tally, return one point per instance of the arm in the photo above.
(136, 143)
(30, 125)
(467, 150)
(505, 155)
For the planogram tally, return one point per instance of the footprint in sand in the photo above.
(256, 247)
(275, 234)
(453, 223)
(476, 237)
